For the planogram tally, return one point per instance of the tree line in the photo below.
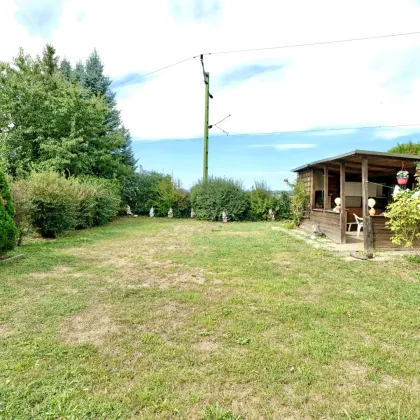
(59, 118)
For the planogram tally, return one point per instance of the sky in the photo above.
(306, 94)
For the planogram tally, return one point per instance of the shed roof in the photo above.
(380, 163)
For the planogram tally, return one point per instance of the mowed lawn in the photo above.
(153, 318)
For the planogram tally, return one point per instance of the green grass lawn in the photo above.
(152, 318)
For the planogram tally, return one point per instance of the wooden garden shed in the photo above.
(354, 178)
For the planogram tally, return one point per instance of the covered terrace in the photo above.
(354, 178)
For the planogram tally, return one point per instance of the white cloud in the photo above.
(339, 85)
(262, 172)
(393, 133)
(286, 146)
(333, 132)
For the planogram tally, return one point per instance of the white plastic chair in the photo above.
(359, 221)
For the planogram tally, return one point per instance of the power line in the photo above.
(311, 44)
(319, 130)
(140, 76)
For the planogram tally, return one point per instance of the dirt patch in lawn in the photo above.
(167, 321)
(144, 263)
(91, 326)
(5, 331)
(57, 270)
(206, 346)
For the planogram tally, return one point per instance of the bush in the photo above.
(261, 201)
(139, 191)
(210, 199)
(54, 204)
(169, 194)
(23, 207)
(404, 217)
(8, 231)
(102, 201)
(6, 196)
(85, 197)
(299, 200)
(283, 206)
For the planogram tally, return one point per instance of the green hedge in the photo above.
(53, 204)
(210, 199)
(139, 191)
(8, 230)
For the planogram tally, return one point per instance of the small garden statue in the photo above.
(271, 214)
(152, 212)
(224, 216)
(129, 212)
(192, 213)
(170, 213)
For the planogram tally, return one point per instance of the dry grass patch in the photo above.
(167, 320)
(58, 270)
(6, 331)
(93, 325)
(206, 346)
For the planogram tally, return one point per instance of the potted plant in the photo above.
(402, 176)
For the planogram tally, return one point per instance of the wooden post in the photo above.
(367, 226)
(326, 188)
(312, 188)
(343, 215)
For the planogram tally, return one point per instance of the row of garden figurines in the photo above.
(271, 214)
(170, 213)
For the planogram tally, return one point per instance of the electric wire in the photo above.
(315, 130)
(140, 76)
(311, 44)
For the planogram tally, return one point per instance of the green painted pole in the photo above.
(206, 129)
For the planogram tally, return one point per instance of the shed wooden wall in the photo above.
(306, 178)
(328, 221)
(382, 235)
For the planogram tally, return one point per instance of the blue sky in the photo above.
(237, 157)
(356, 84)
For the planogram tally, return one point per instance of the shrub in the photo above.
(23, 207)
(6, 196)
(169, 194)
(85, 198)
(283, 206)
(101, 201)
(210, 199)
(299, 200)
(139, 191)
(404, 217)
(165, 196)
(8, 231)
(54, 205)
(261, 200)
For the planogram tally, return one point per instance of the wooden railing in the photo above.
(328, 222)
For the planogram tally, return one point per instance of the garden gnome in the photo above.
(192, 213)
(170, 213)
(152, 212)
(224, 217)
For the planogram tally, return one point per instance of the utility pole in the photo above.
(206, 76)
(206, 127)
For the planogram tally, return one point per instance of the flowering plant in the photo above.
(404, 216)
(403, 174)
